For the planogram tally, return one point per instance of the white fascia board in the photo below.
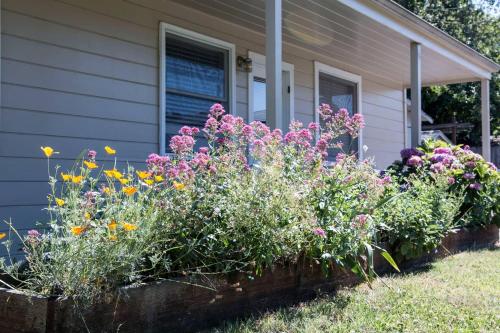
(414, 36)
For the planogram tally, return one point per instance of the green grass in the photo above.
(458, 294)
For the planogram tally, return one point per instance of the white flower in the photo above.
(365, 148)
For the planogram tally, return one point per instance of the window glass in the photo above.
(259, 99)
(339, 94)
(196, 76)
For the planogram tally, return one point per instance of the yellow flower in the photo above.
(112, 225)
(90, 165)
(2, 235)
(129, 190)
(109, 150)
(77, 179)
(66, 177)
(124, 180)
(149, 182)
(129, 227)
(77, 230)
(179, 186)
(106, 190)
(59, 202)
(159, 178)
(48, 151)
(113, 237)
(113, 173)
(87, 215)
(142, 174)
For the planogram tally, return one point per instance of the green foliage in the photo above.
(418, 217)
(476, 27)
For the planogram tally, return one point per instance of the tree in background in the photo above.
(477, 24)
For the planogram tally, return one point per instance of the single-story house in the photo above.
(127, 73)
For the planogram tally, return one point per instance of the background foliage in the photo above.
(477, 24)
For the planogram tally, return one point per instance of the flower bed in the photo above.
(166, 306)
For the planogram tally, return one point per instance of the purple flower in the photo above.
(319, 232)
(469, 175)
(33, 233)
(470, 164)
(227, 129)
(340, 157)
(91, 154)
(186, 130)
(157, 163)
(443, 150)
(386, 180)
(203, 150)
(492, 166)
(247, 131)
(409, 152)
(229, 118)
(217, 110)
(414, 161)
(475, 186)
(313, 126)
(322, 145)
(361, 219)
(181, 144)
(437, 167)
(211, 125)
(451, 180)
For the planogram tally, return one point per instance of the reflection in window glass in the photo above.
(259, 99)
(340, 94)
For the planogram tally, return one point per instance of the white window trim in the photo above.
(188, 34)
(351, 77)
(285, 67)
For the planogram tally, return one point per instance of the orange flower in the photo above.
(59, 202)
(109, 150)
(113, 173)
(179, 186)
(90, 165)
(129, 190)
(112, 225)
(142, 174)
(77, 230)
(113, 237)
(2, 235)
(77, 179)
(129, 227)
(66, 177)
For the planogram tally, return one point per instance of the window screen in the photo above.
(196, 76)
(339, 94)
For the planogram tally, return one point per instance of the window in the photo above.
(341, 90)
(196, 72)
(257, 90)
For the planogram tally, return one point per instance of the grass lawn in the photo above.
(458, 294)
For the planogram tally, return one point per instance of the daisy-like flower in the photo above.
(109, 150)
(48, 151)
(77, 230)
(90, 165)
(2, 235)
(129, 190)
(112, 225)
(129, 226)
(179, 186)
(142, 174)
(77, 179)
(66, 177)
(60, 202)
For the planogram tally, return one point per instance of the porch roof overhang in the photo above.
(367, 37)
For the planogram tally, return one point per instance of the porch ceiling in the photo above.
(361, 44)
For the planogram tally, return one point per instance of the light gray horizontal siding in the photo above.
(84, 74)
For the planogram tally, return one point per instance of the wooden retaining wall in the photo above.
(168, 306)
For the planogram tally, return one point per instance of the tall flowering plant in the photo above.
(250, 198)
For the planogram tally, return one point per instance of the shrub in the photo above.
(251, 198)
(418, 215)
(465, 170)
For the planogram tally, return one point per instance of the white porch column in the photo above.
(274, 97)
(485, 119)
(416, 94)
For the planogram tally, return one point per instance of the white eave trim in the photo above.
(424, 39)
